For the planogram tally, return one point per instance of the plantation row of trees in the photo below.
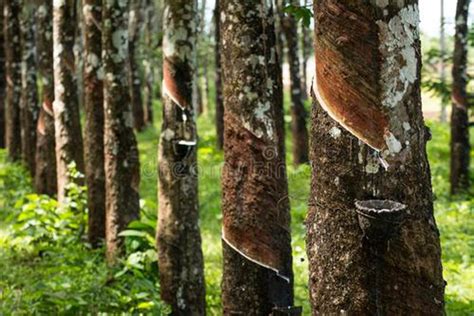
(372, 241)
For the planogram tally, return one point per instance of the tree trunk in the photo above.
(94, 113)
(3, 81)
(442, 71)
(65, 106)
(135, 29)
(203, 59)
(257, 274)
(149, 62)
(372, 242)
(12, 11)
(306, 42)
(29, 98)
(122, 167)
(299, 131)
(178, 238)
(45, 174)
(460, 146)
(219, 98)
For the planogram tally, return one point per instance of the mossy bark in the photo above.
(346, 275)
(45, 174)
(460, 145)
(257, 272)
(180, 258)
(122, 168)
(94, 120)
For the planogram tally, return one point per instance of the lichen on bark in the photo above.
(256, 235)
(180, 258)
(352, 54)
(122, 168)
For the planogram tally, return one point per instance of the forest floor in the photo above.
(51, 271)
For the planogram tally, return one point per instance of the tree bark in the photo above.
(257, 274)
(135, 29)
(306, 42)
(460, 146)
(65, 106)
(381, 257)
(149, 61)
(219, 119)
(3, 78)
(442, 72)
(29, 97)
(94, 122)
(12, 33)
(299, 131)
(122, 169)
(45, 174)
(180, 256)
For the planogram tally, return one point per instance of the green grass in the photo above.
(72, 278)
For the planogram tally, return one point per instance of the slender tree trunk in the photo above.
(442, 74)
(45, 174)
(122, 167)
(65, 106)
(372, 243)
(94, 112)
(257, 274)
(135, 30)
(178, 238)
(203, 58)
(219, 118)
(149, 74)
(29, 97)
(460, 146)
(299, 131)
(3, 78)
(306, 42)
(12, 11)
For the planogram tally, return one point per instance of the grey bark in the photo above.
(122, 168)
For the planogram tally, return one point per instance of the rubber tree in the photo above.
(150, 44)
(29, 93)
(460, 146)
(180, 258)
(372, 241)
(45, 174)
(3, 81)
(12, 38)
(219, 112)
(135, 30)
(257, 275)
(442, 67)
(94, 119)
(122, 167)
(299, 131)
(65, 106)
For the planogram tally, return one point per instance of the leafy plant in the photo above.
(301, 13)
